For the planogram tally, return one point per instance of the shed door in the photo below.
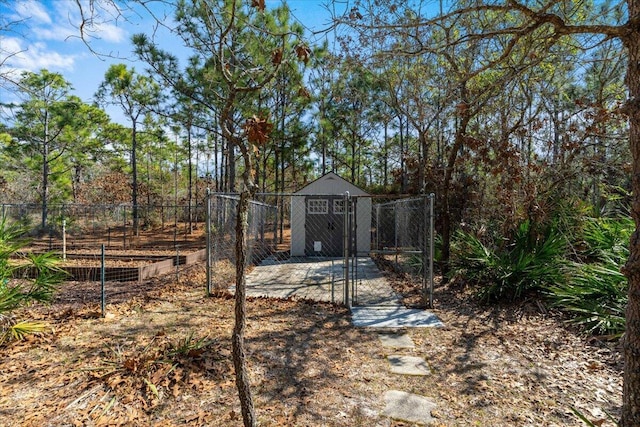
(324, 226)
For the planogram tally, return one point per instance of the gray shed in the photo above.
(317, 218)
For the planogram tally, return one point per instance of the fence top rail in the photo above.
(297, 195)
(403, 197)
(87, 205)
(395, 202)
(237, 197)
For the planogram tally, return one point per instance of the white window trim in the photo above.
(317, 206)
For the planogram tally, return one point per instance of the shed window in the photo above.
(338, 206)
(318, 206)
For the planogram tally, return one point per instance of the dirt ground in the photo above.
(162, 356)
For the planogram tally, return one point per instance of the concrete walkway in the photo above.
(319, 279)
(394, 317)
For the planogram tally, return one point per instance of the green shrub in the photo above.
(595, 293)
(528, 261)
(606, 239)
(18, 292)
(582, 278)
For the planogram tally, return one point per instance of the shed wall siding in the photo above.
(298, 217)
(363, 223)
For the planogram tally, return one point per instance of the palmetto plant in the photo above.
(508, 269)
(607, 239)
(595, 293)
(153, 369)
(16, 291)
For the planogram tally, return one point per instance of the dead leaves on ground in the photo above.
(164, 359)
(147, 374)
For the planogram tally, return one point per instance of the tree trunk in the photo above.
(45, 172)
(422, 160)
(403, 187)
(232, 169)
(385, 157)
(631, 389)
(461, 130)
(323, 141)
(190, 179)
(277, 188)
(237, 339)
(354, 142)
(134, 183)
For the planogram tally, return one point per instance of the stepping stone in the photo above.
(393, 317)
(408, 365)
(408, 407)
(396, 341)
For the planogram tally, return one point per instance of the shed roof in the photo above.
(331, 183)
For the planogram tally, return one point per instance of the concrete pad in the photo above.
(391, 340)
(318, 279)
(403, 406)
(408, 365)
(393, 317)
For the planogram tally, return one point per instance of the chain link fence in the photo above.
(99, 248)
(403, 233)
(261, 236)
(78, 227)
(324, 246)
(318, 246)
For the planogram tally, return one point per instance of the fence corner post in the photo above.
(64, 239)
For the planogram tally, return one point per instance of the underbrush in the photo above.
(577, 271)
(506, 269)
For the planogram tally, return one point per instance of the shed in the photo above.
(317, 218)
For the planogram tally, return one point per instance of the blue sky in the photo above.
(45, 34)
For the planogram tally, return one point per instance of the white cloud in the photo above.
(33, 57)
(31, 9)
(111, 33)
(102, 24)
(62, 20)
(53, 32)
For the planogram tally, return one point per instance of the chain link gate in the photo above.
(400, 229)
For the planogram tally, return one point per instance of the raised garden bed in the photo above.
(121, 267)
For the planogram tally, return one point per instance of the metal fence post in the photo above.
(346, 250)
(425, 250)
(395, 231)
(124, 227)
(431, 248)
(352, 215)
(64, 239)
(102, 274)
(208, 242)
(177, 264)
(377, 227)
